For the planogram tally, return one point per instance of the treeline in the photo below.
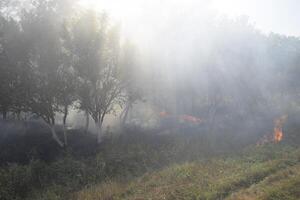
(226, 72)
(54, 58)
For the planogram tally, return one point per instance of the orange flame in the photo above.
(163, 114)
(278, 134)
(185, 118)
(190, 118)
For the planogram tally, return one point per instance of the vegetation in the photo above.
(209, 114)
(50, 62)
(217, 178)
(145, 166)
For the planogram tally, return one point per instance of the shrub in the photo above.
(15, 182)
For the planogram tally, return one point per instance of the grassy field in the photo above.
(268, 172)
(145, 166)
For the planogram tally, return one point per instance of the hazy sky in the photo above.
(279, 16)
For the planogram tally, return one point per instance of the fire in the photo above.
(163, 114)
(278, 134)
(184, 118)
(189, 118)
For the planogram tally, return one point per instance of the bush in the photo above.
(15, 182)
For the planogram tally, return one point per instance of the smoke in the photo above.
(194, 61)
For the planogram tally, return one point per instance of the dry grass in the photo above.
(105, 191)
(231, 178)
(280, 185)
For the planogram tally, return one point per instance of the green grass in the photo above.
(216, 178)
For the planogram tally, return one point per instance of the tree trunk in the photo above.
(99, 132)
(87, 121)
(64, 125)
(55, 136)
(4, 115)
(125, 115)
(211, 123)
(18, 115)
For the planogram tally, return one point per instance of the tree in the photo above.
(5, 78)
(96, 49)
(129, 70)
(66, 94)
(14, 68)
(44, 26)
(67, 80)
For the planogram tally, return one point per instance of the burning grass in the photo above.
(277, 135)
(147, 166)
